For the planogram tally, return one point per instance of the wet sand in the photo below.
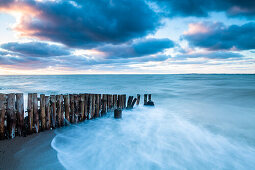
(31, 152)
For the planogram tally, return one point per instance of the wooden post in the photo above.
(90, 106)
(96, 105)
(138, 99)
(62, 120)
(118, 113)
(133, 103)
(2, 115)
(67, 108)
(53, 111)
(93, 105)
(124, 101)
(47, 113)
(72, 108)
(36, 114)
(115, 101)
(11, 116)
(59, 110)
(76, 108)
(149, 96)
(82, 107)
(30, 111)
(42, 112)
(86, 109)
(145, 99)
(119, 101)
(130, 99)
(104, 104)
(20, 113)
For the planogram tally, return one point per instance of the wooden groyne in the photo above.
(54, 111)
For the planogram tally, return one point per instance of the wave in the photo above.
(148, 139)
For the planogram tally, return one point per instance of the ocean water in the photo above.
(198, 122)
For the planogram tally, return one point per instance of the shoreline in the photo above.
(31, 152)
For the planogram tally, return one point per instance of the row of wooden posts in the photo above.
(50, 112)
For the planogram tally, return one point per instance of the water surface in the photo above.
(199, 122)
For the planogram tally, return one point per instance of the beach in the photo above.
(31, 152)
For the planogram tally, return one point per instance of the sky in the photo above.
(127, 36)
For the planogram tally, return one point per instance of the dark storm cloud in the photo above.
(137, 48)
(201, 8)
(36, 49)
(220, 37)
(89, 23)
(210, 55)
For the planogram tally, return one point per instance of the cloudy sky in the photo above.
(127, 36)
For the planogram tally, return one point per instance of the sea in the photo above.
(199, 121)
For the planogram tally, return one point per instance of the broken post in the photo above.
(118, 113)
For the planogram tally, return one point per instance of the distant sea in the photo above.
(198, 122)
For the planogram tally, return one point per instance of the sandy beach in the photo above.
(31, 152)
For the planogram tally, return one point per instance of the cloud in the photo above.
(89, 23)
(217, 36)
(35, 49)
(210, 55)
(138, 48)
(201, 8)
(37, 55)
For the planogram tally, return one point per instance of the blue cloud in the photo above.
(210, 55)
(35, 49)
(201, 8)
(90, 23)
(137, 48)
(221, 37)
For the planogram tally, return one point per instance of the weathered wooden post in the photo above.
(11, 116)
(82, 107)
(145, 99)
(93, 105)
(47, 113)
(130, 99)
(67, 108)
(138, 99)
(115, 101)
(53, 111)
(76, 108)
(30, 111)
(123, 101)
(104, 103)
(118, 113)
(2, 115)
(90, 106)
(149, 97)
(42, 112)
(62, 120)
(96, 105)
(59, 110)
(72, 108)
(36, 114)
(133, 103)
(150, 102)
(86, 109)
(20, 113)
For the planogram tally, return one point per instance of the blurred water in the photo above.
(199, 122)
